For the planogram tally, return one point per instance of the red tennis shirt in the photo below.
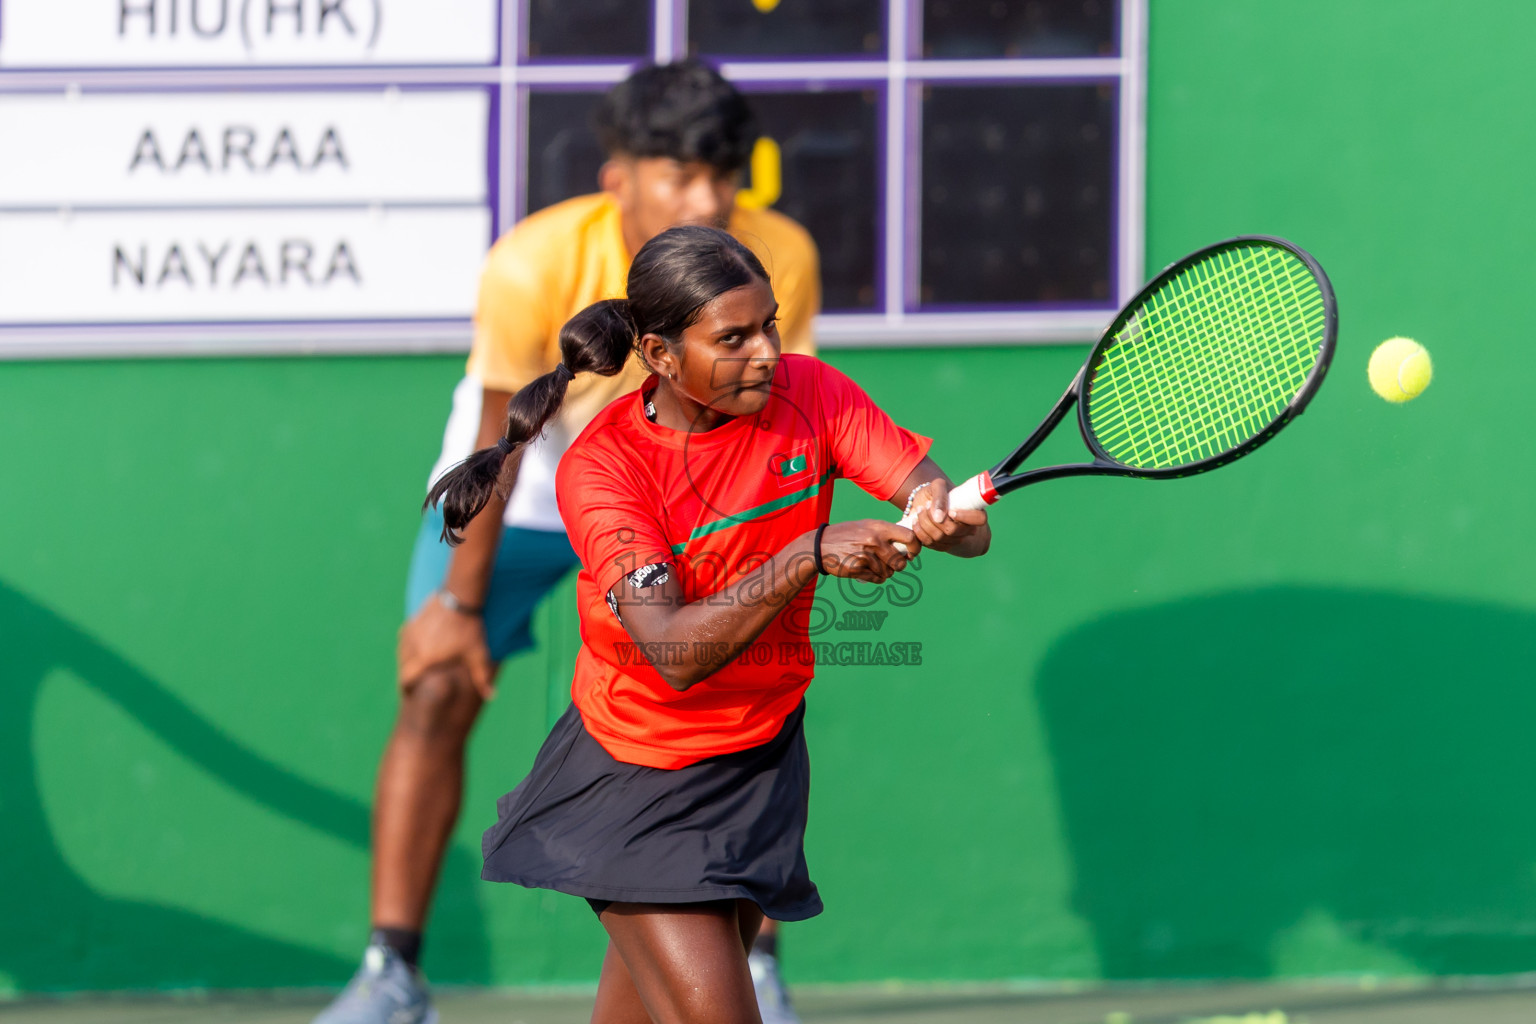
(715, 506)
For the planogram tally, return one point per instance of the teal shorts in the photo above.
(529, 563)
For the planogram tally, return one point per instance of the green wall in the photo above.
(1274, 721)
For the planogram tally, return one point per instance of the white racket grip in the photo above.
(977, 492)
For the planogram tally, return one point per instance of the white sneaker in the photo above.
(385, 990)
(772, 997)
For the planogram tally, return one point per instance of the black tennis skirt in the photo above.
(730, 827)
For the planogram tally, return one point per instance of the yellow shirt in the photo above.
(565, 257)
(552, 265)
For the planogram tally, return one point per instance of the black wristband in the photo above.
(816, 550)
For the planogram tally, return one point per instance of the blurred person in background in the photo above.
(676, 137)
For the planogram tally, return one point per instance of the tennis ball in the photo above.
(1400, 369)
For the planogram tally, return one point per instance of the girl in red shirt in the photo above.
(673, 794)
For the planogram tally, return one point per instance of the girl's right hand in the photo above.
(872, 550)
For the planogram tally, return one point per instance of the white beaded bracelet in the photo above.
(910, 499)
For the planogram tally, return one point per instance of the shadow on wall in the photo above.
(59, 933)
(1278, 781)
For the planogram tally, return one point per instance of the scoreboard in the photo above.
(235, 176)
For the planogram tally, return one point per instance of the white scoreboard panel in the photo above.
(236, 176)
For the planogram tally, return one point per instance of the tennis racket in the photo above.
(1205, 364)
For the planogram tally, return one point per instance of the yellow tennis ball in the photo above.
(1400, 369)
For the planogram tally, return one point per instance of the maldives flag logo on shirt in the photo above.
(794, 468)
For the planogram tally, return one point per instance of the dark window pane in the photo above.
(1017, 194)
(827, 142)
(563, 154)
(589, 28)
(788, 28)
(1020, 28)
(828, 172)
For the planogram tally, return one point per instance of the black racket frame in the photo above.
(1004, 479)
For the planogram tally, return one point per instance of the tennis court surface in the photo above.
(1444, 1003)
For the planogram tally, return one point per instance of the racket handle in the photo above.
(977, 492)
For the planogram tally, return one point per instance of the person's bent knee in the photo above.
(442, 702)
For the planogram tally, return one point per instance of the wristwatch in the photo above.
(449, 600)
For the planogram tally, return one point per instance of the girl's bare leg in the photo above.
(617, 1000)
(680, 963)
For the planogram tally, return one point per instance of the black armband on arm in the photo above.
(653, 575)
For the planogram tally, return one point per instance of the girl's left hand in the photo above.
(963, 531)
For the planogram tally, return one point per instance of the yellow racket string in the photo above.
(1208, 360)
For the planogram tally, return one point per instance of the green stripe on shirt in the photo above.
(716, 525)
